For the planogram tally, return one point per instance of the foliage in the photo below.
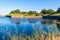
(35, 13)
(15, 11)
(25, 13)
(58, 10)
(32, 12)
(44, 11)
(50, 11)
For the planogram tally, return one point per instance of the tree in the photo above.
(32, 12)
(15, 11)
(58, 10)
(12, 12)
(50, 11)
(44, 11)
(25, 13)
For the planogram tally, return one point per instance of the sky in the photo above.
(26, 5)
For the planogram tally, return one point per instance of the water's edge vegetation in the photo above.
(44, 12)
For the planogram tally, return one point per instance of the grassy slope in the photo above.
(55, 14)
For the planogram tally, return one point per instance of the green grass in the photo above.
(54, 14)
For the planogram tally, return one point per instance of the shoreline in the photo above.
(26, 16)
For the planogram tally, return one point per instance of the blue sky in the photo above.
(25, 5)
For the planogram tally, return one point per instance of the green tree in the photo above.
(44, 11)
(15, 11)
(37, 14)
(11, 12)
(58, 10)
(25, 13)
(50, 11)
(32, 12)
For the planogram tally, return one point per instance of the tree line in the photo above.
(43, 11)
(50, 11)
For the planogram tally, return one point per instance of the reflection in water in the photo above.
(16, 20)
(28, 29)
(33, 20)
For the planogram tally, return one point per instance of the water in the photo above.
(27, 29)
